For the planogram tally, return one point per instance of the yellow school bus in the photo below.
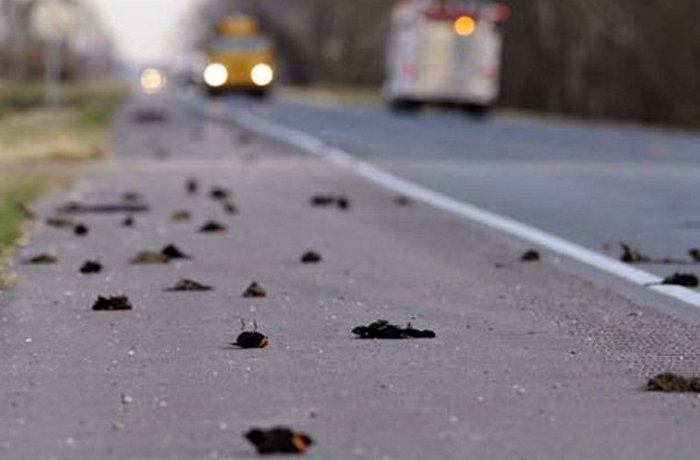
(239, 56)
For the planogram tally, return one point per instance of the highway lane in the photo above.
(592, 184)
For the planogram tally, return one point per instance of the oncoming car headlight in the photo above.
(215, 75)
(152, 80)
(262, 74)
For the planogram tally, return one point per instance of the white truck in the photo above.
(445, 52)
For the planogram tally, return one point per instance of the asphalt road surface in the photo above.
(530, 361)
(596, 185)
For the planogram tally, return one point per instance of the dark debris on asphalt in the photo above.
(255, 290)
(128, 222)
(383, 329)
(103, 208)
(219, 193)
(181, 216)
(278, 440)
(119, 303)
(530, 256)
(673, 383)
(192, 186)
(229, 207)
(91, 267)
(688, 280)
(311, 257)
(45, 258)
(251, 339)
(81, 230)
(150, 258)
(212, 226)
(327, 200)
(172, 252)
(187, 285)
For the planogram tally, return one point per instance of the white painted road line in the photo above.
(319, 148)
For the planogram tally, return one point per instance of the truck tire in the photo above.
(477, 111)
(404, 106)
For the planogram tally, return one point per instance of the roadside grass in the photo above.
(16, 195)
(76, 130)
(34, 138)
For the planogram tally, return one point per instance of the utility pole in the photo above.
(54, 22)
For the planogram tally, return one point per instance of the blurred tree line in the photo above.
(88, 52)
(592, 58)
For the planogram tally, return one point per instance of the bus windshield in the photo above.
(244, 44)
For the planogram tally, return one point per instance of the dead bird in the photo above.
(131, 197)
(631, 255)
(219, 193)
(694, 254)
(186, 285)
(91, 267)
(230, 208)
(255, 290)
(251, 339)
(673, 383)
(192, 186)
(103, 208)
(172, 252)
(212, 226)
(46, 258)
(81, 230)
(343, 203)
(150, 258)
(382, 329)
(688, 280)
(279, 440)
(60, 222)
(530, 256)
(128, 222)
(327, 200)
(112, 304)
(181, 216)
(311, 257)
(320, 200)
(403, 200)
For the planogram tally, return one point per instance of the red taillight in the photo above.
(408, 69)
(502, 13)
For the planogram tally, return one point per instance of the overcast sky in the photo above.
(142, 28)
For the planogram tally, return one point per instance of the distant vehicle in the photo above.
(239, 57)
(152, 80)
(445, 52)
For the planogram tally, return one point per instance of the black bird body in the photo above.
(311, 257)
(81, 230)
(255, 290)
(384, 330)
(112, 304)
(530, 256)
(173, 252)
(251, 339)
(91, 267)
(278, 440)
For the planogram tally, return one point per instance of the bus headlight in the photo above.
(215, 75)
(262, 74)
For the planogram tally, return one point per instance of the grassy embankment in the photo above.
(33, 138)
